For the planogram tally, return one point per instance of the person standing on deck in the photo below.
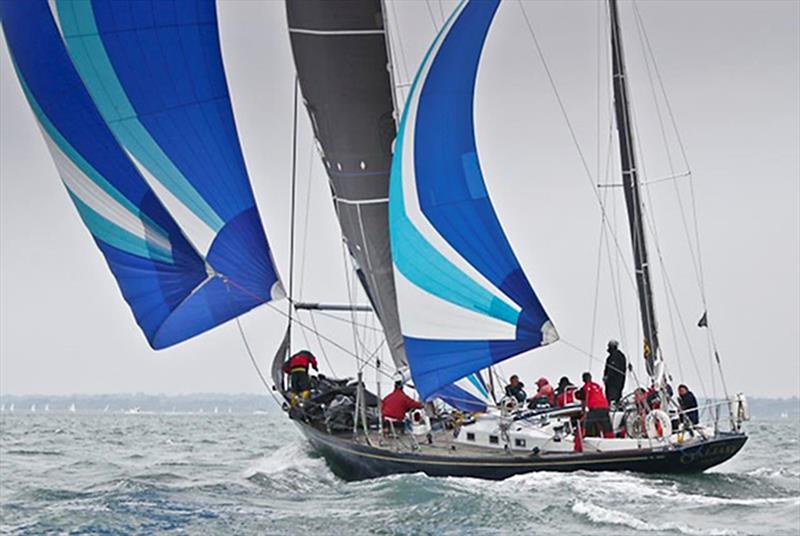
(297, 369)
(595, 406)
(688, 404)
(614, 373)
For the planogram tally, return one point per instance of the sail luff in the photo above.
(631, 186)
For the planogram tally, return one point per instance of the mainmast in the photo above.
(630, 183)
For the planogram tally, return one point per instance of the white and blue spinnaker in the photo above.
(464, 301)
(133, 104)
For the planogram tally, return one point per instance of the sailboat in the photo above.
(72, 408)
(47, 407)
(33, 408)
(458, 299)
(147, 147)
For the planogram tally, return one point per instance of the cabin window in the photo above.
(494, 440)
(519, 443)
(470, 436)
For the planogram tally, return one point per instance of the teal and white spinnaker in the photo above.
(463, 298)
(133, 104)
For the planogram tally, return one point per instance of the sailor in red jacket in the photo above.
(297, 368)
(397, 403)
(565, 393)
(595, 405)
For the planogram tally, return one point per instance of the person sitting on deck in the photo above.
(396, 404)
(544, 397)
(565, 393)
(688, 404)
(595, 406)
(516, 389)
(299, 381)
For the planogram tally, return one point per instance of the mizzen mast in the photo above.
(631, 186)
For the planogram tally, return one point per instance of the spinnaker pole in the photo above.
(631, 186)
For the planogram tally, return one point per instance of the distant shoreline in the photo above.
(218, 403)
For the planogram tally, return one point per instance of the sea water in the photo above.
(253, 474)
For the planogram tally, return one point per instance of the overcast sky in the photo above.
(732, 74)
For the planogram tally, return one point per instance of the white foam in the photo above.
(291, 456)
(598, 514)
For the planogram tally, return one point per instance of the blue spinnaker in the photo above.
(464, 301)
(132, 101)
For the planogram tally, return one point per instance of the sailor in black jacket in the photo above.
(614, 373)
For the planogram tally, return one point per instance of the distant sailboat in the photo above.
(2, 408)
(11, 408)
(105, 409)
(47, 407)
(72, 408)
(33, 408)
(216, 410)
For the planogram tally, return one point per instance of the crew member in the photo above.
(565, 392)
(544, 397)
(595, 406)
(396, 404)
(516, 389)
(297, 368)
(688, 404)
(614, 373)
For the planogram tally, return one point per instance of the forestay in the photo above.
(463, 298)
(133, 104)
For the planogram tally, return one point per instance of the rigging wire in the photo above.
(433, 19)
(571, 129)
(697, 264)
(697, 261)
(255, 363)
(293, 207)
(402, 50)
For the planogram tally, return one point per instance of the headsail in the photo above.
(340, 54)
(463, 298)
(133, 104)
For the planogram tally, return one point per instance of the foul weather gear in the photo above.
(397, 403)
(566, 397)
(689, 406)
(297, 368)
(517, 391)
(592, 396)
(614, 374)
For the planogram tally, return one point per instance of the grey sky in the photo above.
(732, 73)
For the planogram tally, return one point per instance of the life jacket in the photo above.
(566, 397)
(594, 397)
(546, 391)
(300, 362)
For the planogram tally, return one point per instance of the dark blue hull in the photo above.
(354, 461)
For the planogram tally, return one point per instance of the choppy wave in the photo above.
(256, 475)
(598, 514)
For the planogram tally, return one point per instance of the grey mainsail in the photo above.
(340, 55)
